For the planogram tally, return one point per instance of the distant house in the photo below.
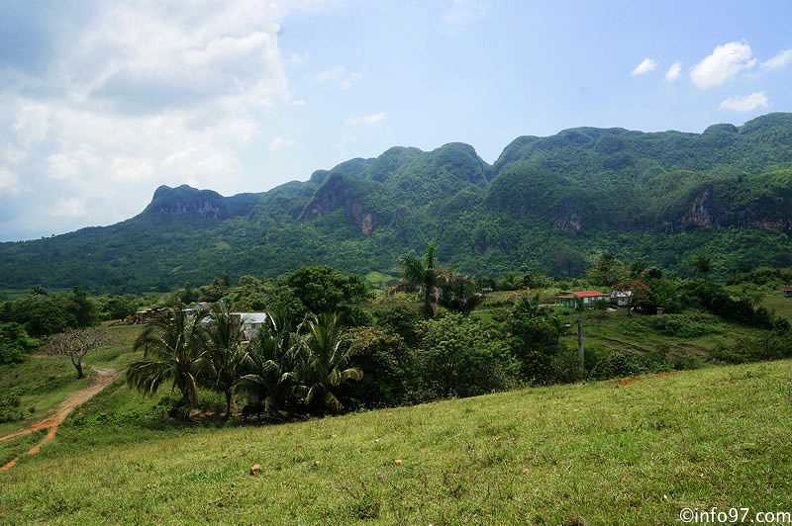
(788, 291)
(581, 298)
(144, 316)
(566, 299)
(250, 322)
(621, 298)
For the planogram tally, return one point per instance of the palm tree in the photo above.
(268, 360)
(174, 349)
(321, 362)
(226, 351)
(421, 273)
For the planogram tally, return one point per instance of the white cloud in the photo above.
(673, 73)
(32, 124)
(647, 65)
(8, 182)
(747, 103)
(279, 143)
(69, 207)
(372, 118)
(725, 63)
(299, 102)
(147, 92)
(68, 166)
(340, 76)
(130, 169)
(780, 60)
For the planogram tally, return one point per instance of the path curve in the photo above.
(103, 378)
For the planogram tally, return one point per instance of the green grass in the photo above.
(11, 449)
(779, 303)
(603, 453)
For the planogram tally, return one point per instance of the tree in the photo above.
(386, 360)
(82, 308)
(459, 356)
(76, 343)
(174, 349)
(458, 293)
(325, 289)
(421, 274)
(607, 270)
(267, 363)
(535, 336)
(322, 362)
(226, 348)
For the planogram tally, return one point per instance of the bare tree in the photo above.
(76, 343)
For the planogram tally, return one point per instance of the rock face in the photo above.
(336, 193)
(699, 214)
(206, 204)
(185, 200)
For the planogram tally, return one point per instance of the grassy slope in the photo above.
(777, 302)
(603, 452)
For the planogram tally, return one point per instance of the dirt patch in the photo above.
(103, 378)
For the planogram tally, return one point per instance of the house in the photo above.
(581, 298)
(567, 300)
(788, 291)
(250, 322)
(621, 298)
(144, 316)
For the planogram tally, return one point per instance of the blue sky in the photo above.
(103, 101)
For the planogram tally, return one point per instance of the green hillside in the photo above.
(628, 452)
(547, 204)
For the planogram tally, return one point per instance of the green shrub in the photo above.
(459, 356)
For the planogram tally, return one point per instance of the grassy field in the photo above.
(627, 452)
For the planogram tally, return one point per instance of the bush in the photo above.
(459, 356)
(682, 325)
(14, 343)
(383, 357)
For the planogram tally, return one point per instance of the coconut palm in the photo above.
(226, 349)
(174, 349)
(421, 273)
(322, 362)
(268, 360)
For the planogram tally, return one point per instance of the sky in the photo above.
(102, 101)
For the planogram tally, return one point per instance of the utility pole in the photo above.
(581, 348)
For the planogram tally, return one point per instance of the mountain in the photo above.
(547, 204)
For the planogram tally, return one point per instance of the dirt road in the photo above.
(103, 378)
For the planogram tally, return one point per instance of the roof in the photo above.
(588, 294)
(251, 317)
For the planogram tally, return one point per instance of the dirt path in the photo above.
(104, 377)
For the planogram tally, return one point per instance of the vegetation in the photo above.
(550, 205)
(76, 343)
(174, 349)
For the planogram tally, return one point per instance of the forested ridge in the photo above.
(548, 204)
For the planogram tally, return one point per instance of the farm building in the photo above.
(250, 322)
(581, 298)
